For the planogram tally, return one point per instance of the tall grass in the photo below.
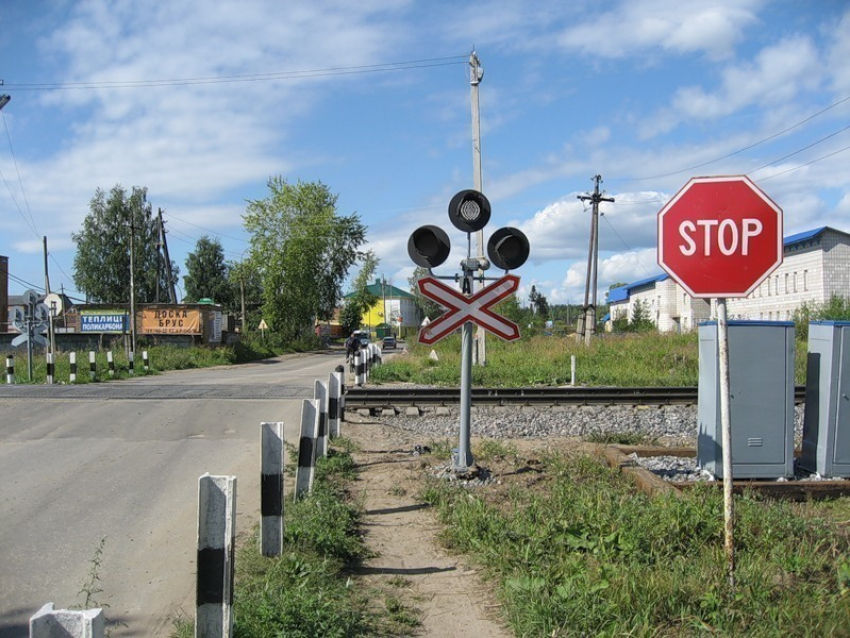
(627, 360)
(591, 556)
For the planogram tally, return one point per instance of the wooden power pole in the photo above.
(587, 320)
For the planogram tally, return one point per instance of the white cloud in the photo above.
(635, 27)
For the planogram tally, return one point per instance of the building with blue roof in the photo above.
(816, 266)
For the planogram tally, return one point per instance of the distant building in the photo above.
(395, 307)
(816, 266)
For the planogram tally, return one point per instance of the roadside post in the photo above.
(10, 369)
(335, 384)
(72, 362)
(271, 488)
(216, 551)
(340, 370)
(508, 248)
(307, 448)
(320, 394)
(720, 237)
(110, 360)
(92, 365)
(50, 367)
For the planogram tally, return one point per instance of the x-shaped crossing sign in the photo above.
(462, 309)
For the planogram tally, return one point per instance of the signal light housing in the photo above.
(508, 248)
(469, 211)
(428, 246)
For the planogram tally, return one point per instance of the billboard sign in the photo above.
(178, 321)
(105, 322)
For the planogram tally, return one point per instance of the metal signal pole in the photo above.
(475, 76)
(589, 327)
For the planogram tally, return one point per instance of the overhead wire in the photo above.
(253, 77)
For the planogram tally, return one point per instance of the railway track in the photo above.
(377, 397)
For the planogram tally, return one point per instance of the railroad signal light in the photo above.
(469, 211)
(508, 248)
(428, 246)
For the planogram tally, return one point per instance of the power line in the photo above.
(814, 161)
(741, 150)
(800, 150)
(254, 77)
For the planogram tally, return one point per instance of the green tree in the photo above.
(427, 307)
(302, 250)
(836, 308)
(207, 274)
(640, 318)
(361, 299)
(102, 262)
(539, 303)
(245, 284)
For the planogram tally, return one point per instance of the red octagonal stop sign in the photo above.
(720, 236)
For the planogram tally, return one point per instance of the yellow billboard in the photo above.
(170, 321)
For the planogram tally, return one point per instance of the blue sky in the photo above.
(373, 99)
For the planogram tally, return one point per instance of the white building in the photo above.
(816, 266)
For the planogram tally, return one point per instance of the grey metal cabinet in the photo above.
(761, 379)
(826, 424)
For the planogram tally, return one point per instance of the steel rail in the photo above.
(376, 397)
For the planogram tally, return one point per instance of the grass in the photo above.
(627, 360)
(307, 591)
(589, 555)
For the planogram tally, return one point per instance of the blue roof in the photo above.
(808, 234)
(622, 293)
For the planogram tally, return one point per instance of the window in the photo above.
(795, 281)
(805, 280)
(786, 283)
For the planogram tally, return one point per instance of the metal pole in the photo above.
(726, 439)
(475, 76)
(463, 460)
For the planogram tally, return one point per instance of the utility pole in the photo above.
(132, 282)
(172, 294)
(476, 74)
(588, 326)
(51, 335)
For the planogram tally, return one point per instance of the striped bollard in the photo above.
(132, 362)
(334, 395)
(72, 359)
(146, 364)
(110, 360)
(271, 488)
(10, 369)
(360, 368)
(50, 368)
(92, 366)
(341, 371)
(216, 544)
(320, 394)
(307, 448)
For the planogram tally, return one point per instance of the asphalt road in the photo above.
(120, 461)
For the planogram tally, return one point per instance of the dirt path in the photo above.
(451, 598)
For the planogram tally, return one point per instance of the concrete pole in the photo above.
(726, 439)
(335, 384)
(590, 322)
(463, 460)
(307, 448)
(271, 488)
(48, 622)
(320, 394)
(216, 551)
(476, 74)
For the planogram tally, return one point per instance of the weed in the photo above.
(619, 438)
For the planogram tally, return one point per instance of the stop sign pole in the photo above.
(721, 237)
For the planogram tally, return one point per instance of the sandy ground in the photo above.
(451, 598)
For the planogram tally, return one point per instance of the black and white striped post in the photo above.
(271, 488)
(72, 361)
(110, 360)
(307, 448)
(50, 368)
(92, 365)
(341, 371)
(216, 543)
(131, 357)
(360, 367)
(320, 394)
(10, 369)
(146, 364)
(334, 402)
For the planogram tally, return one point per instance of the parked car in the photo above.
(389, 343)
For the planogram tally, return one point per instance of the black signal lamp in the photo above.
(469, 211)
(428, 246)
(508, 248)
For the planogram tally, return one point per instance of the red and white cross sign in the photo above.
(462, 309)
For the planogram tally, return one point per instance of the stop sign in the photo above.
(720, 236)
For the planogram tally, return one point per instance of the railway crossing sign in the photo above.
(462, 308)
(720, 236)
